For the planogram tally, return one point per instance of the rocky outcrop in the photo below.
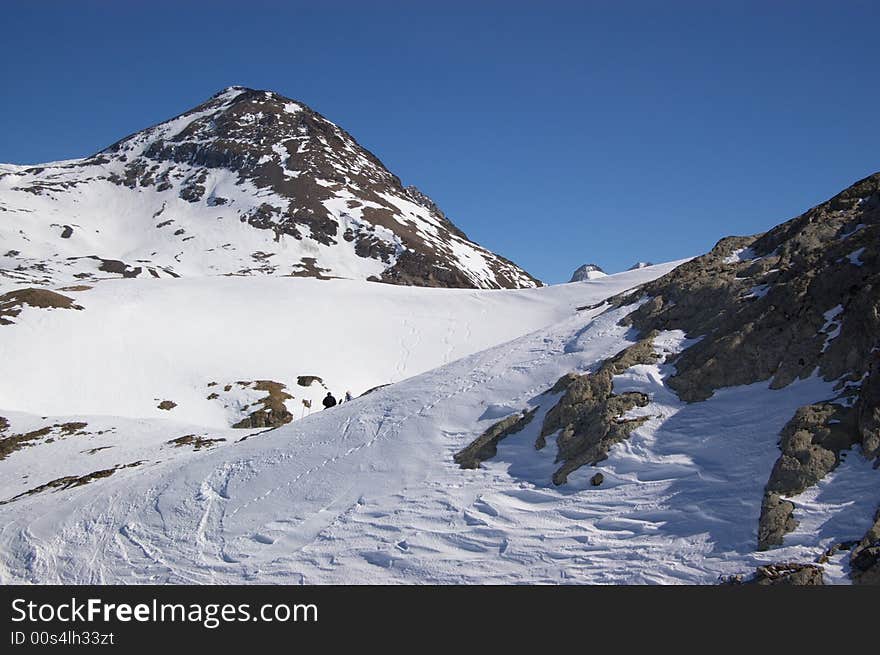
(789, 574)
(272, 412)
(865, 557)
(800, 300)
(764, 305)
(70, 481)
(587, 272)
(868, 410)
(777, 519)
(12, 303)
(590, 417)
(196, 441)
(9, 443)
(811, 444)
(782, 574)
(486, 445)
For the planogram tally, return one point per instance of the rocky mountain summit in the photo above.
(247, 183)
(587, 272)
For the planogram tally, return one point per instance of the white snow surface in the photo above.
(740, 255)
(368, 492)
(855, 257)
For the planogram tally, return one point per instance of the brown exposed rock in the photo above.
(113, 266)
(789, 573)
(800, 269)
(196, 441)
(486, 445)
(589, 416)
(868, 410)
(12, 302)
(167, 405)
(761, 315)
(811, 443)
(865, 557)
(273, 412)
(776, 521)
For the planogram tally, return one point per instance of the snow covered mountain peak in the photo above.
(249, 182)
(587, 272)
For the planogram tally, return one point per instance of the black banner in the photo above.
(229, 617)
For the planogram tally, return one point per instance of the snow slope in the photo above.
(138, 341)
(368, 492)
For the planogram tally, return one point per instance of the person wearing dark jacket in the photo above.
(329, 401)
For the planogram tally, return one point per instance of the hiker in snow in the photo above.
(348, 397)
(329, 401)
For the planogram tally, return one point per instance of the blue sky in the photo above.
(555, 133)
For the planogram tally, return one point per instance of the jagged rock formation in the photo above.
(639, 265)
(247, 183)
(271, 411)
(782, 574)
(800, 300)
(587, 272)
(590, 416)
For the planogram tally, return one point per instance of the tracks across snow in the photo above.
(368, 491)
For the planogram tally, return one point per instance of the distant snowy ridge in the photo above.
(587, 272)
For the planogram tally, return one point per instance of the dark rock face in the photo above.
(777, 519)
(761, 302)
(589, 416)
(196, 441)
(70, 481)
(789, 574)
(868, 410)
(811, 443)
(272, 411)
